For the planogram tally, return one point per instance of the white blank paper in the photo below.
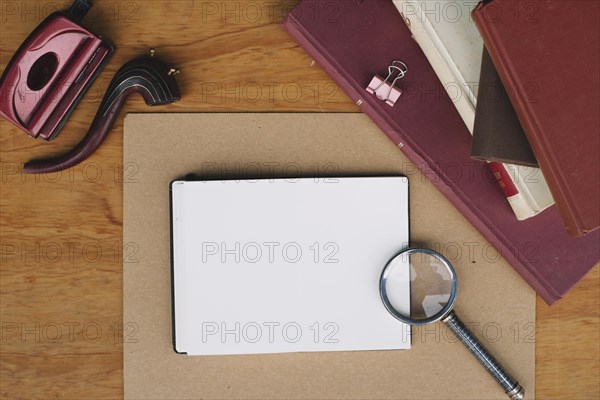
(286, 265)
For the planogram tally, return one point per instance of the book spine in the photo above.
(502, 62)
(424, 163)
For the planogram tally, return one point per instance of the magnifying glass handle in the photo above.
(510, 386)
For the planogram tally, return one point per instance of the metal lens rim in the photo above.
(434, 318)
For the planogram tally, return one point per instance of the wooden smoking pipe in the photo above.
(146, 76)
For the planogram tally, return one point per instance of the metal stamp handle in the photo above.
(510, 386)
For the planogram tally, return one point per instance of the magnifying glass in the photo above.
(433, 288)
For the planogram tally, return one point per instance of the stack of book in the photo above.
(527, 104)
(453, 46)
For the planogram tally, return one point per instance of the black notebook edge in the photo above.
(172, 253)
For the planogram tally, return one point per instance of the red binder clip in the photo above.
(382, 87)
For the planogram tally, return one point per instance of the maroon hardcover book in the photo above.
(353, 41)
(546, 53)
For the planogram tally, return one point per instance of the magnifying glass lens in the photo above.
(430, 280)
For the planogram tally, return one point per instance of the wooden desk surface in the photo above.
(61, 234)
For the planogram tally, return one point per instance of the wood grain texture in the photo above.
(61, 234)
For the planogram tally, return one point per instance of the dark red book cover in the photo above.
(546, 53)
(353, 41)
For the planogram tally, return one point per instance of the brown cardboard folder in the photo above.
(493, 300)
